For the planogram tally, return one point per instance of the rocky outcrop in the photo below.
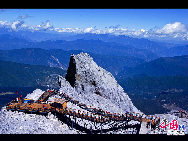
(70, 76)
(88, 79)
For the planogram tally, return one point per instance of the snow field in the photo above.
(35, 94)
(21, 123)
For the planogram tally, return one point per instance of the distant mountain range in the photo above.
(60, 58)
(158, 82)
(103, 44)
(178, 51)
(93, 46)
(164, 66)
(23, 75)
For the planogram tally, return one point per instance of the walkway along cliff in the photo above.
(97, 117)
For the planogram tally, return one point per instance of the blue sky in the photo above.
(101, 18)
(142, 23)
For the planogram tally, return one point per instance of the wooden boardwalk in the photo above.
(97, 117)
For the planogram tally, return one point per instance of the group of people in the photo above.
(151, 120)
(100, 116)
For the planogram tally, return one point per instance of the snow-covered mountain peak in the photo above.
(87, 78)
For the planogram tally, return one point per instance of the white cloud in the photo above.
(44, 26)
(89, 29)
(76, 30)
(111, 30)
(176, 27)
(176, 30)
(4, 23)
(142, 30)
(16, 24)
(47, 25)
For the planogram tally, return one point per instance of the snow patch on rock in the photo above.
(35, 94)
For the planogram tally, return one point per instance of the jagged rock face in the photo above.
(70, 76)
(89, 79)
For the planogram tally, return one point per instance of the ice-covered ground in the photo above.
(35, 94)
(21, 123)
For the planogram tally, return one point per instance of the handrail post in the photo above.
(101, 128)
(72, 124)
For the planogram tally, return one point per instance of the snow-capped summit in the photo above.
(90, 80)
